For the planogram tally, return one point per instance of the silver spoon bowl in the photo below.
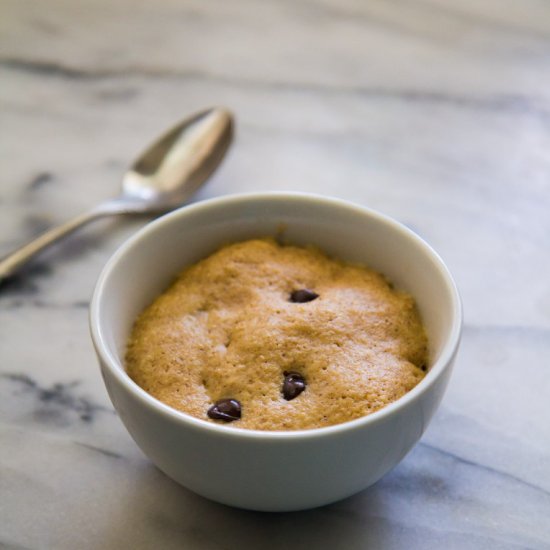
(162, 178)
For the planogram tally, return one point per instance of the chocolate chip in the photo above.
(303, 295)
(424, 368)
(225, 409)
(293, 385)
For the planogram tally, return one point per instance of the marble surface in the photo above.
(436, 113)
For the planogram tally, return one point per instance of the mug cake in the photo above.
(266, 336)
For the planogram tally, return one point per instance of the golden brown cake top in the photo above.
(297, 340)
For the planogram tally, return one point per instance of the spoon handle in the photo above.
(15, 260)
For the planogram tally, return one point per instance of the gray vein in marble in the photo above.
(506, 103)
(54, 402)
(485, 467)
(52, 69)
(20, 302)
(100, 450)
(39, 180)
(24, 283)
(36, 223)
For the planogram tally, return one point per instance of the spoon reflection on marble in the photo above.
(161, 179)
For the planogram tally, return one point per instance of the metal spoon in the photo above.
(162, 178)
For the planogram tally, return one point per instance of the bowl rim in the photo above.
(116, 367)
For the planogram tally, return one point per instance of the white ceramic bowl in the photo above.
(273, 471)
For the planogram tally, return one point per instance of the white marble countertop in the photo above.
(436, 113)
